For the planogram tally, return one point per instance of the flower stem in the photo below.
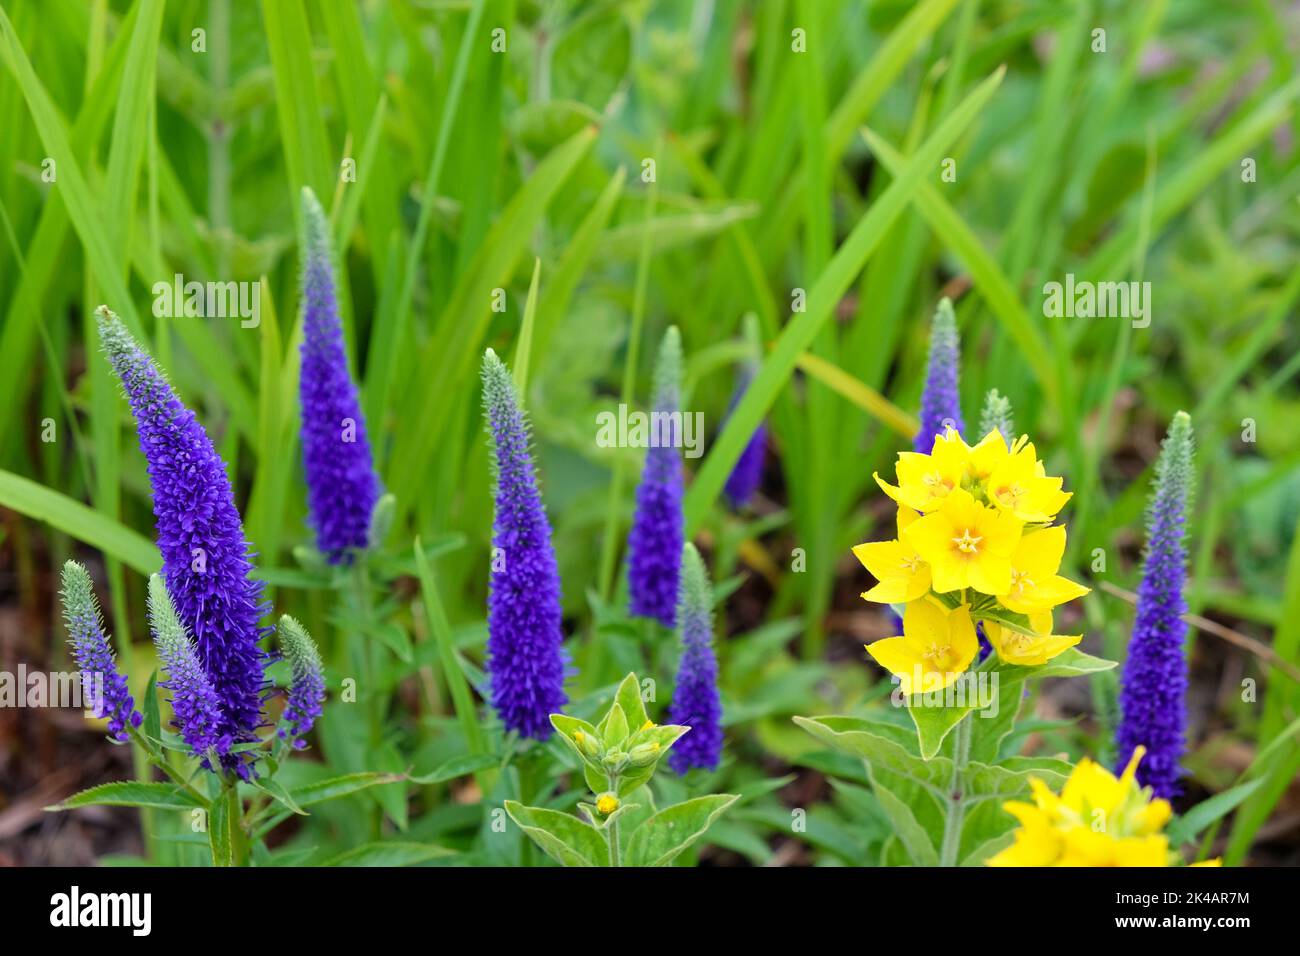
(615, 852)
(956, 793)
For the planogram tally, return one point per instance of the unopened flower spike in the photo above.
(997, 416)
(197, 708)
(655, 540)
(1154, 685)
(525, 660)
(307, 686)
(103, 685)
(940, 399)
(342, 486)
(696, 703)
(206, 559)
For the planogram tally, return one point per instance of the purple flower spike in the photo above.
(695, 698)
(747, 474)
(194, 701)
(103, 686)
(525, 662)
(1154, 686)
(307, 690)
(342, 487)
(205, 555)
(655, 541)
(940, 400)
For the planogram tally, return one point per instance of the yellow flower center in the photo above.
(936, 484)
(939, 656)
(968, 543)
(1021, 581)
(1011, 494)
(911, 562)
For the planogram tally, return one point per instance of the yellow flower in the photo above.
(925, 481)
(1024, 650)
(937, 645)
(966, 545)
(1035, 585)
(903, 576)
(607, 803)
(1020, 486)
(987, 456)
(1097, 820)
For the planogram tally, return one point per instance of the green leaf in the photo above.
(341, 786)
(152, 726)
(863, 738)
(80, 522)
(1185, 828)
(276, 790)
(628, 698)
(219, 833)
(565, 838)
(934, 722)
(670, 831)
(457, 767)
(395, 853)
(911, 834)
(161, 796)
(614, 727)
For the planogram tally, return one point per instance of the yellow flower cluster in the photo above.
(975, 539)
(1097, 820)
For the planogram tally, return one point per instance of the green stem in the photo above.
(238, 838)
(369, 670)
(615, 852)
(956, 793)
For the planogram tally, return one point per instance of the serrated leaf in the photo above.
(160, 796)
(670, 831)
(219, 833)
(341, 786)
(152, 717)
(564, 838)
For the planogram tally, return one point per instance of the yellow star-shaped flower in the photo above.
(925, 481)
(1020, 486)
(966, 545)
(936, 646)
(1023, 650)
(1035, 585)
(903, 576)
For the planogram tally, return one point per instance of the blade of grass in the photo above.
(860, 394)
(776, 369)
(524, 347)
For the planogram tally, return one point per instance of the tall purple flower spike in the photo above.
(206, 559)
(940, 400)
(197, 708)
(696, 703)
(1153, 689)
(342, 487)
(655, 541)
(748, 471)
(103, 685)
(525, 660)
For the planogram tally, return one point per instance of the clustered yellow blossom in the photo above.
(975, 540)
(1097, 820)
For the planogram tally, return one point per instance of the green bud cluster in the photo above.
(621, 752)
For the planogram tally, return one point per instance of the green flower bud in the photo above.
(588, 744)
(645, 754)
